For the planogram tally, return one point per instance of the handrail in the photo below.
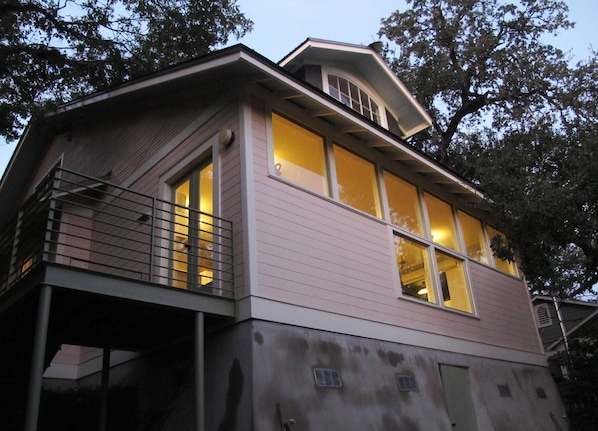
(77, 220)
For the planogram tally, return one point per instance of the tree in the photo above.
(55, 50)
(513, 117)
(471, 62)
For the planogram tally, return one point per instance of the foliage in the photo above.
(578, 388)
(55, 50)
(512, 116)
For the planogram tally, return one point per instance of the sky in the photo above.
(281, 25)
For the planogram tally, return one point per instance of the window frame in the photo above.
(361, 85)
(326, 154)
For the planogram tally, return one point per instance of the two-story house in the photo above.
(234, 244)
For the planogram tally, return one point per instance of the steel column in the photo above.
(38, 358)
(199, 373)
(105, 387)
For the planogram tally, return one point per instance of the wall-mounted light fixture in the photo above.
(226, 137)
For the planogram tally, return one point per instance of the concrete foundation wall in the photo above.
(284, 359)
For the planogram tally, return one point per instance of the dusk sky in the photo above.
(281, 25)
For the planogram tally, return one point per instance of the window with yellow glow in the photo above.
(414, 270)
(403, 204)
(357, 182)
(299, 155)
(473, 237)
(442, 226)
(193, 241)
(453, 283)
(503, 265)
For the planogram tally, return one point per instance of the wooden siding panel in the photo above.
(316, 253)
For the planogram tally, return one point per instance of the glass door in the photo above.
(193, 231)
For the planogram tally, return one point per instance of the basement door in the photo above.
(193, 228)
(457, 392)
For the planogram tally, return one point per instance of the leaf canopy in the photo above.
(55, 50)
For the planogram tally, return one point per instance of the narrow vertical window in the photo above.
(442, 226)
(473, 237)
(193, 228)
(403, 204)
(414, 270)
(503, 265)
(299, 155)
(453, 283)
(357, 182)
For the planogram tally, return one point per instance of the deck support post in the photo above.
(199, 373)
(38, 359)
(105, 387)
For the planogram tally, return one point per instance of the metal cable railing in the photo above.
(85, 222)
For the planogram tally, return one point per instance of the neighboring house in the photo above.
(233, 244)
(562, 321)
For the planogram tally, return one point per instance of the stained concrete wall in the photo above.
(284, 358)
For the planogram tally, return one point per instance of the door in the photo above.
(193, 228)
(457, 392)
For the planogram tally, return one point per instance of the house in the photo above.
(560, 321)
(234, 244)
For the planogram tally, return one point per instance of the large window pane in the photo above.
(473, 236)
(453, 283)
(414, 270)
(299, 155)
(442, 226)
(503, 265)
(357, 185)
(403, 204)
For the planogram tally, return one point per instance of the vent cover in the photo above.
(541, 393)
(504, 391)
(406, 383)
(328, 378)
(543, 316)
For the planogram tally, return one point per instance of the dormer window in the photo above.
(354, 97)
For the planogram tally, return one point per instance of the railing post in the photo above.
(15, 248)
(152, 241)
(51, 215)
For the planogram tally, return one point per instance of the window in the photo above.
(453, 283)
(473, 237)
(193, 229)
(354, 97)
(442, 227)
(357, 182)
(414, 270)
(503, 265)
(403, 204)
(433, 240)
(299, 155)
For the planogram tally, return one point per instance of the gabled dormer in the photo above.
(358, 77)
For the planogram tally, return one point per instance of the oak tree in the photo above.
(54, 50)
(514, 117)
